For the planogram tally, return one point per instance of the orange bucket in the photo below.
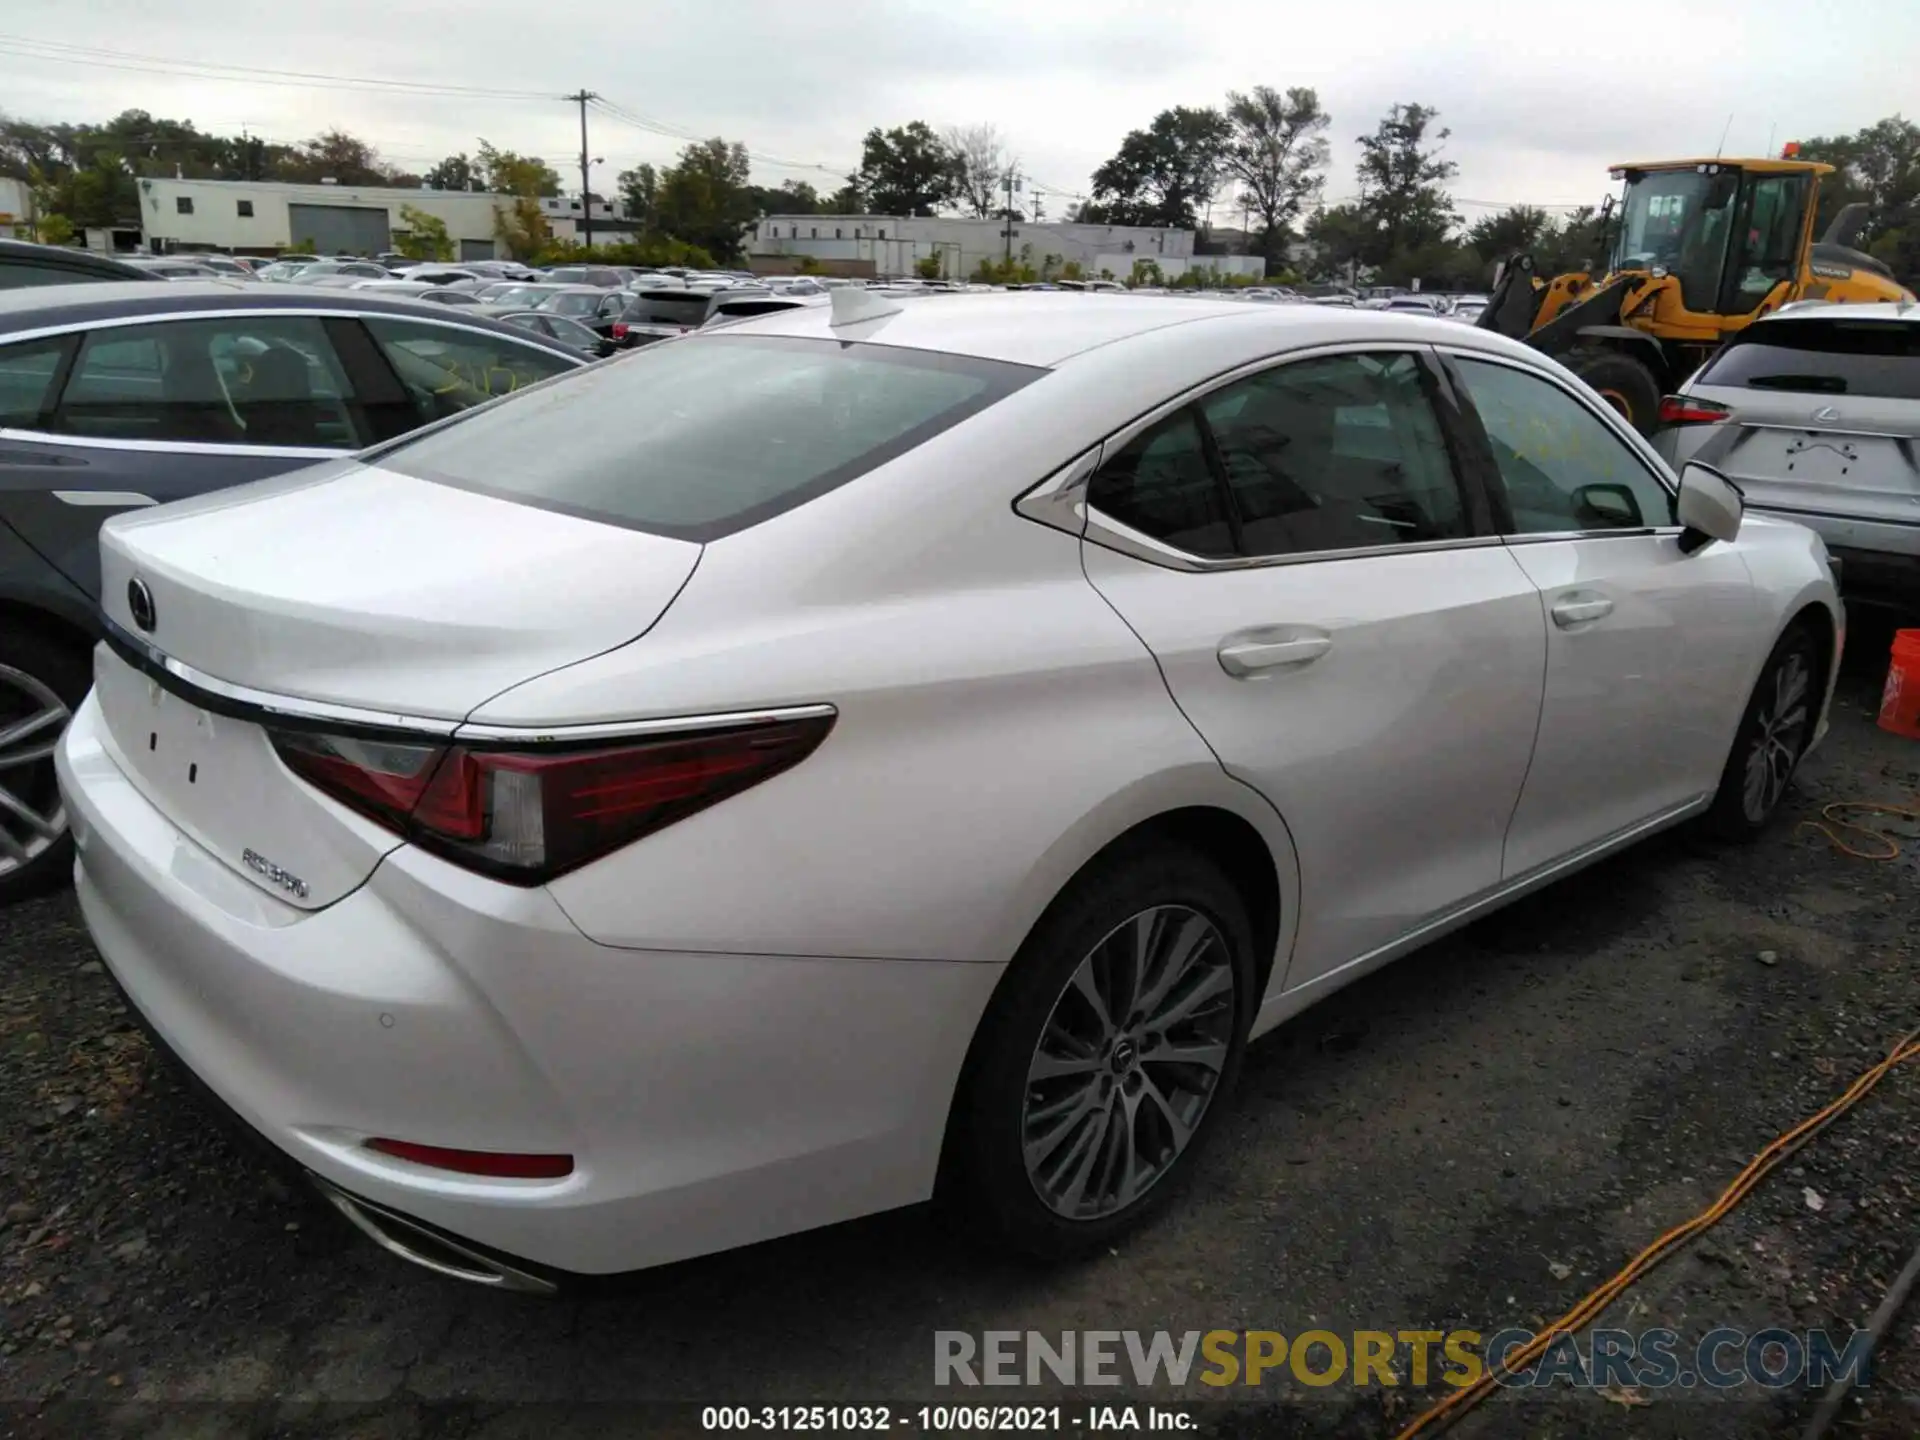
(1900, 702)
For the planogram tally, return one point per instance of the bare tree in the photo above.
(981, 163)
(1276, 155)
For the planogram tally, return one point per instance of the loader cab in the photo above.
(1728, 233)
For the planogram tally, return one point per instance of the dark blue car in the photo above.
(120, 395)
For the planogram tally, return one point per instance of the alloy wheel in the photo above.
(32, 815)
(1128, 1062)
(1778, 736)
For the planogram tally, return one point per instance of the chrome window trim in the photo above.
(1546, 536)
(1112, 535)
(1060, 501)
(426, 316)
(173, 447)
(196, 685)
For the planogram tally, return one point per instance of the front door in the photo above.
(1334, 619)
(1648, 648)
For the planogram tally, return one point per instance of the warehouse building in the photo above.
(259, 217)
(894, 245)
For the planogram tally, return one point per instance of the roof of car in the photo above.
(50, 306)
(1045, 329)
(1888, 310)
(65, 257)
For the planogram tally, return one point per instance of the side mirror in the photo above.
(1709, 507)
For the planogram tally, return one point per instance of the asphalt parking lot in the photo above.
(1475, 1137)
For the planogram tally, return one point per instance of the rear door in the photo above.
(138, 415)
(1648, 650)
(1824, 418)
(1332, 612)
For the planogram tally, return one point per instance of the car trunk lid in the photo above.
(358, 597)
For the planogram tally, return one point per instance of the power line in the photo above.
(674, 132)
(61, 53)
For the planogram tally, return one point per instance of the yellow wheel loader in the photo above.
(1699, 249)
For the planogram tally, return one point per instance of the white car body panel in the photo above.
(753, 1021)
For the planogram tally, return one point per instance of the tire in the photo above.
(1120, 1107)
(1770, 741)
(1624, 382)
(41, 679)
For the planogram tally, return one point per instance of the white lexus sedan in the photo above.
(899, 747)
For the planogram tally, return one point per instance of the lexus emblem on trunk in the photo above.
(1826, 412)
(140, 603)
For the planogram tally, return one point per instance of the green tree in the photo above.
(426, 237)
(927, 267)
(333, 155)
(639, 190)
(906, 171)
(705, 198)
(1145, 272)
(1403, 195)
(1880, 167)
(1517, 229)
(505, 173)
(456, 172)
(1163, 174)
(1277, 154)
(54, 229)
(849, 199)
(1341, 235)
(521, 225)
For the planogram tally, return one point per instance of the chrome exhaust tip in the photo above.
(429, 1249)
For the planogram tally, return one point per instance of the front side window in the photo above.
(1678, 220)
(709, 435)
(447, 369)
(245, 380)
(1561, 468)
(1162, 485)
(1338, 453)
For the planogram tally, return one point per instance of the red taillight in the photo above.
(619, 329)
(495, 1164)
(528, 815)
(1685, 410)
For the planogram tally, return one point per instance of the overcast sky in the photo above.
(1538, 106)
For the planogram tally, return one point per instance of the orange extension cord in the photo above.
(1832, 820)
(1452, 1407)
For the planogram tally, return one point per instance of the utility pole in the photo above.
(1011, 180)
(586, 182)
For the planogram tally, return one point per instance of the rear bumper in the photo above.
(708, 1100)
(1877, 557)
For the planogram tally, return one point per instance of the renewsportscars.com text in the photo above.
(1654, 1359)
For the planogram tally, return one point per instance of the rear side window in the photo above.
(1823, 357)
(1161, 485)
(447, 368)
(247, 380)
(706, 436)
(26, 381)
(1339, 453)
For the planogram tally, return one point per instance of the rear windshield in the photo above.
(669, 307)
(709, 435)
(1823, 357)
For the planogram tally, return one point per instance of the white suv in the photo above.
(1815, 414)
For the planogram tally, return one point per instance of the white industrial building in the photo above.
(264, 217)
(16, 209)
(894, 245)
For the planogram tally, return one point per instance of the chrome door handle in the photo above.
(1578, 612)
(1250, 657)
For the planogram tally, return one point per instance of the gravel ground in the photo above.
(1475, 1137)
